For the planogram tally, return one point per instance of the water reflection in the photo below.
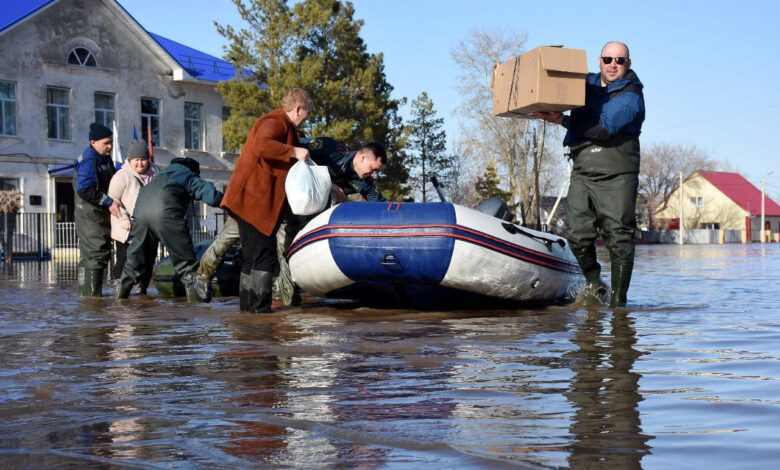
(606, 427)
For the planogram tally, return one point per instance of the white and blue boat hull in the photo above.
(425, 255)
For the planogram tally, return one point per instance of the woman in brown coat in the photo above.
(255, 196)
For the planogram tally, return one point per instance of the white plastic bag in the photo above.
(308, 187)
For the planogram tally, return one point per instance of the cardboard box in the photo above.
(547, 78)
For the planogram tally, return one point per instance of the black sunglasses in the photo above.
(618, 60)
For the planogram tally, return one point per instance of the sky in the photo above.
(710, 69)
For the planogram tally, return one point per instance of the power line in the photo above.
(715, 118)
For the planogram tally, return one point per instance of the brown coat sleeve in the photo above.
(269, 141)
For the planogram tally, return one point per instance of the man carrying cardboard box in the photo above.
(603, 137)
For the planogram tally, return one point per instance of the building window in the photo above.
(696, 201)
(7, 109)
(710, 225)
(81, 57)
(225, 117)
(7, 184)
(150, 116)
(193, 126)
(58, 113)
(105, 109)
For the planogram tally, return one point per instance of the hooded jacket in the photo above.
(170, 192)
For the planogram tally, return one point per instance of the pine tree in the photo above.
(316, 46)
(427, 144)
(487, 185)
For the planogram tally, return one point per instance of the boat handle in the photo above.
(389, 259)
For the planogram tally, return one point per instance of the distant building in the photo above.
(68, 63)
(719, 200)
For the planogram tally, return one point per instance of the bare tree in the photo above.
(662, 164)
(516, 145)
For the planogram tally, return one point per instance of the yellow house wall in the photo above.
(717, 208)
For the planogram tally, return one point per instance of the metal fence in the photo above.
(40, 237)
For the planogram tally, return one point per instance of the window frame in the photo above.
(696, 201)
(155, 120)
(195, 125)
(105, 111)
(79, 62)
(58, 109)
(13, 103)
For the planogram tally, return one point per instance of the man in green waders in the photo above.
(92, 174)
(603, 137)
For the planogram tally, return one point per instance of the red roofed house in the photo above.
(725, 201)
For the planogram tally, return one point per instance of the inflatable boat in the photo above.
(430, 255)
(225, 282)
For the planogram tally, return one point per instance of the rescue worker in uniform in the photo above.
(92, 174)
(351, 172)
(160, 215)
(603, 137)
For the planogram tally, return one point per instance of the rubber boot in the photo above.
(124, 288)
(189, 288)
(90, 282)
(255, 292)
(589, 264)
(202, 285)
(621, 279)
(84, 282)
(96, 282)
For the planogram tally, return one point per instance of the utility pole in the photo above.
(681, 209)
(763, 200)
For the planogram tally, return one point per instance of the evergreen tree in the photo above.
(427, 145)
(487, 185)
(316, 46)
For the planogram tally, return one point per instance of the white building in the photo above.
(68, 63)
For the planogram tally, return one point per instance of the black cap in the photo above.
(98, 131)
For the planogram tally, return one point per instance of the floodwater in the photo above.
(687, 377)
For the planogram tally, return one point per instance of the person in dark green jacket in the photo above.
(160, 216)
(92, 174)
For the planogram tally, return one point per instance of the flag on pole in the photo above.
(135, 134)
(149, 134)
(116, 152)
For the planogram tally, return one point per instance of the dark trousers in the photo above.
(120, 251)
(258, 250)
(144, 238)
(602, 206)
(93, 227)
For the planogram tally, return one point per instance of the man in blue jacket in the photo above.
(159, 215)
(603, 137)
(92, 174)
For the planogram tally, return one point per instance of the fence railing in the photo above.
(41, 237)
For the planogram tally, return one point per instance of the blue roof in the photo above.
(13, 12)
(198, 64)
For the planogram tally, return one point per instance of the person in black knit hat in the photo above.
(92, 173)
